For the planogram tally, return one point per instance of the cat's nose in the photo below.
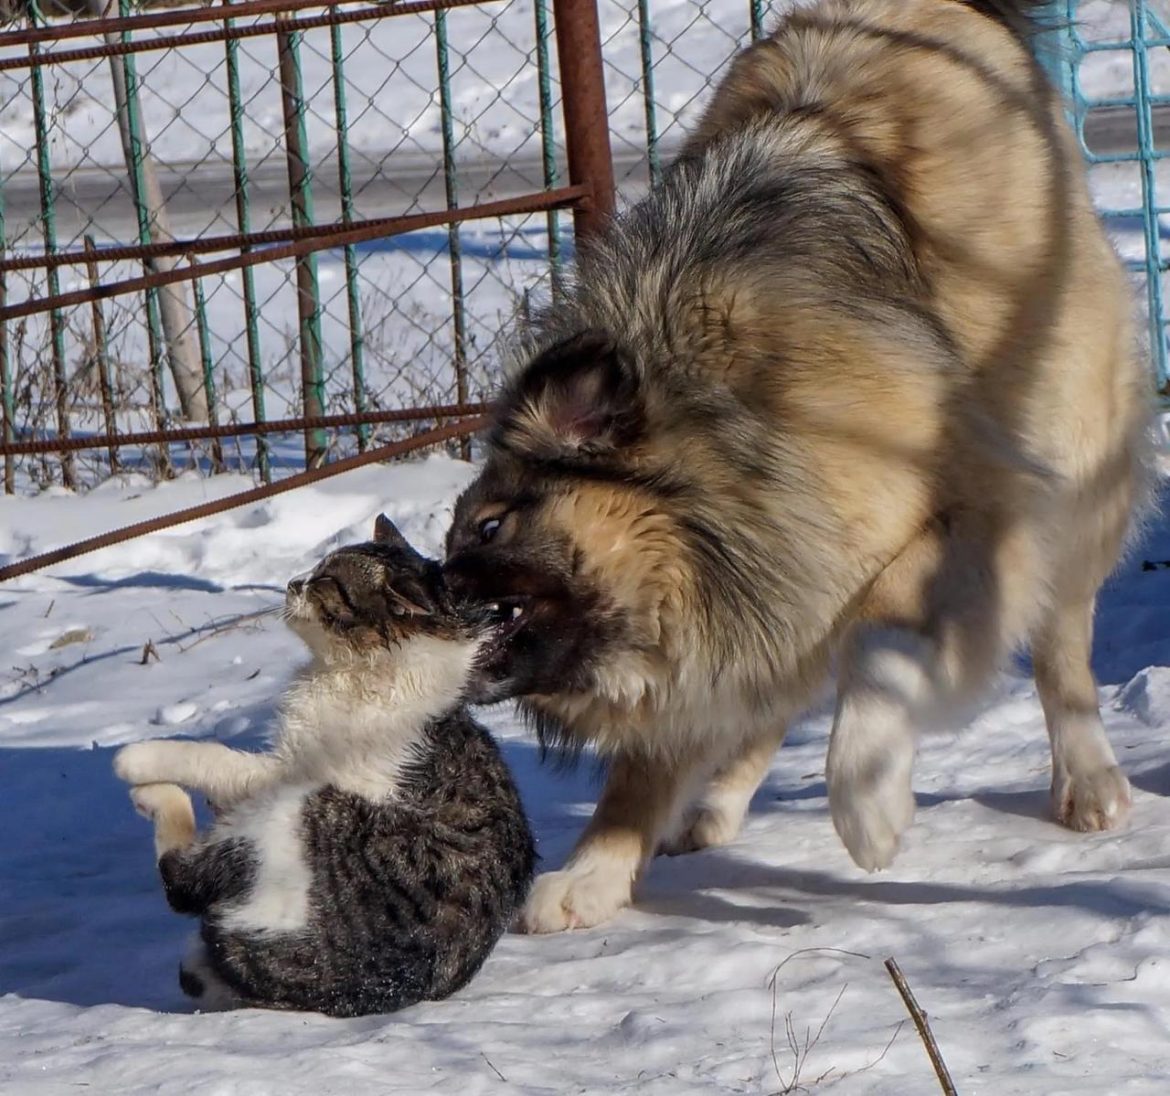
(296, 586)
(189, 982)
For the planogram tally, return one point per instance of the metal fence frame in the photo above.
(1067, 49)
(588, 195)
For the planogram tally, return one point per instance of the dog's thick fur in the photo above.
(856, 382)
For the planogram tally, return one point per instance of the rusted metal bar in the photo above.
(92, 28)
(202, 245)
(243, 498)
(101, 361)
(240, 429)
(586, 116)
(561, 198)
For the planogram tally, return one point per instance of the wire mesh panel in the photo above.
(1111, 58)
(246, 129)
(1116, 73)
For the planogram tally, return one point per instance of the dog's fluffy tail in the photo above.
(1022, 17)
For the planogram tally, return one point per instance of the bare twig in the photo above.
(923, 1024)
(149, 651)
(814, 951)
(49, 609)
(244, 620)
(800, 1051)
(493, 1067)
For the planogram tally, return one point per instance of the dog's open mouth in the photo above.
(508, 616)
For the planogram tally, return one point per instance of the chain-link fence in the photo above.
(244, 138)
(367, 195)
(1115, 72)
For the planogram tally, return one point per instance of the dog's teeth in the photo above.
(516, 612)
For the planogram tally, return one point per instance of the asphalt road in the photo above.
(200, 198)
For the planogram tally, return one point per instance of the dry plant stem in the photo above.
(246, 620)
(801, 1052)
(923, 1024)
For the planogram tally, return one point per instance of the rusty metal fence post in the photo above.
(586, 117)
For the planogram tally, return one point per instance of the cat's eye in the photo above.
(488, 530)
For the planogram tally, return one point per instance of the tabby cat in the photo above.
(375, 855)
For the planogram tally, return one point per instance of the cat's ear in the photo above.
(409, 596)
(386, 532)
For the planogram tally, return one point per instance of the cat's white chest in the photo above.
(279, 899)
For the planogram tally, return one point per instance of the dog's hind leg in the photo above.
(718, 815)
(169, 808)
(1089, 791)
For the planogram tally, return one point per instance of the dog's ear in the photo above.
(580, 397)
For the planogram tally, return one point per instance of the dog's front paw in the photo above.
(1089, 801)
(871, 815)
(142, 763)
(574, 899)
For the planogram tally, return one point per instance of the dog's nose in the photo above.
(455, 570)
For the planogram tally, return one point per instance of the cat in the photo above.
(375, 855)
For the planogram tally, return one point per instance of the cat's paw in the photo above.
(169, 808)
(576, 898)
(142, 763)
(155, 801)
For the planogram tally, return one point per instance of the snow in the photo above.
(1039, 953)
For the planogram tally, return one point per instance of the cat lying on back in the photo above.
(374, 857)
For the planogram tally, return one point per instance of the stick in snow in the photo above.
(923, 1024)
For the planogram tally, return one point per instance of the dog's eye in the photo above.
(488, 530)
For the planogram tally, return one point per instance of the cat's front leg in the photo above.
(224, 775)
(169, 808)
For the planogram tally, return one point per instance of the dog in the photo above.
(856, 386)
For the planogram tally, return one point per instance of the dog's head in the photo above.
(366, 598)
(566, 532)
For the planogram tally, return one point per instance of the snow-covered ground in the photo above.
(1041, 955)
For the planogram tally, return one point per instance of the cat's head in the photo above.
(366, 598)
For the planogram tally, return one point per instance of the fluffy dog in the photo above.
(857, 382)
